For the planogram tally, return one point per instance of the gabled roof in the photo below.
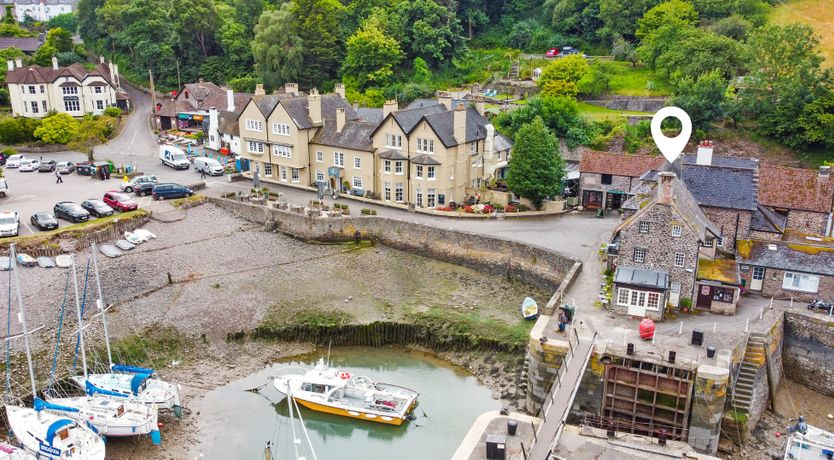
(408, 118)
(502, 143)
(765, 219)
(721, 187)
(425, 159)
(227, 123)
(618, 164)
(642, 277)
(802, 257)
(724, 162)
(35, 74)
(25, 44)
(370, 114)
(443, 124)
(795, 188)
(355, 134)
(205, 95)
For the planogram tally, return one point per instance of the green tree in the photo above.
(703, 99)
(422, 73)
(68, 58)
(9, 17)
(88, 24)
(14, 30)
(624, 51)
(755, 11)
(278, 54)
(60, 128)
(536, 168)
(371, 55)
(560, 115)
(66, 21)
(426, 29)
(243, 84)
(817, 119)
(672, 12)
(235, 42)
(316, 23)
(575, 17)
(18, 130)
(562, 76)
(11, 53)
(195, 20)
(700, 52)
(735, 27)
(43, 56)
(597, 81)
(59, 39)
(619, 18)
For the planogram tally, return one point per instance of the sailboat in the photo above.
(44, 434)
(292, 405)
(136, 384)
(105, 415)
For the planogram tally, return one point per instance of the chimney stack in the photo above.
(55, 64)
(340, 90)
(388, 107)
(479, 103)
(101, 59)
(340, 119)
(230, 100)
(704, 157)
(445, 98)
(259, 89)
(355, 106)
(460, 123)
(489, 142)
(10, 64)
(314, 106)
(18, 63)
(825, 172)
(665, 195)
(109, 67)
(118, 78)
(291, 88)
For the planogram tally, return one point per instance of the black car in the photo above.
(165, 191)
(144, 188)
(84, 168)
(97, 208)
(70, 211)
(44, 221)
(47, 166)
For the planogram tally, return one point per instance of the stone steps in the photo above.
(751, 363)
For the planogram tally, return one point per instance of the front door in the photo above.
(758, 279)
(675, 294)
(704, 297)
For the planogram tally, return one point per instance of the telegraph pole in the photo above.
(153, 99)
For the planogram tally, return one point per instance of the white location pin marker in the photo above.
(671, 147)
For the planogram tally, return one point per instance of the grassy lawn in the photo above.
(818, 14)
(595, 112)
(634, 81)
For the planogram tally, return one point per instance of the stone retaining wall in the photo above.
(630, 103)
(809, 350)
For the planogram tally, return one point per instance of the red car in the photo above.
(120, 201)
(552, 52)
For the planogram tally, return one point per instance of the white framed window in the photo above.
(268, 169)
(623, 295)
(398, 167)
(387, 188)
(638, 298)
(394, 141)
(72, 106)
(708, 241)
(43, 89)
(319, 156)
(43, 104)
(677, 231)
(284, 173)
(255, 147)
(66, 90)
(473, 147)
(431, 174)
(357, 182)
(419, 171)
(357, 163)
(319, 175)
(719, 242)
(34, 105)
(338, 158)
(803, 282)
(281, 129)
(295, 174)
(680, 258)
(639, 254)
(282, 151)
(31, 90)
(644, 227)
(425, 145)
(254, 125)
(653, 301)
(96, 89)
(386, 166)
(431, 198)
(675, 287)
(419, 197)
(634, 298)
(99, 104)
(398, 193)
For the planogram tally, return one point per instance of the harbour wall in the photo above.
(809, 350)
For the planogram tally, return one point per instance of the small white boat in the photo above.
(144, 234)
(326, 389)
(107, 416)
(63, 261)
(814, 444)
(50, 436)
(529, 308)
(138, 388)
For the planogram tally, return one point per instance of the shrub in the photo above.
(7, 152)
(443, 208)
(368, 212)
(510, 208)
(114, 112)
(57, 129)
(468, 209)
(498, 207)
(523, 208)
(18, 130)
(686, 303)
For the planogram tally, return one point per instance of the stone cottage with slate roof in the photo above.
(607, 180)
(804, 196)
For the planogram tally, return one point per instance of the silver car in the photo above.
(130, 185)
(65, 167)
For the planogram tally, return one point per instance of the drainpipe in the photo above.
(735, 238)
(828, 228)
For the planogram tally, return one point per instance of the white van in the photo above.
(14, 160)
(210, 166)
(173, 157)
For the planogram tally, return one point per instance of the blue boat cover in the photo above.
(132, 369)
(137, 382)
(40, 405)
(55, 427)
(91, 389)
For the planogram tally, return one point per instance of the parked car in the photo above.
(163, 191)
(84, 168)
(144, 188)
(173, 157)
(568, 50)
(97, 208)
(14, 160)
(210, 166)
(130, 185)
(44, 221)
(65, 167)
(28, 165)
(9, 224)
(120, 201)
(70, 211)
(552, 52)
(4, 188)
(47, 166)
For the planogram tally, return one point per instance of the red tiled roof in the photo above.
(795, 188)
(618, 164)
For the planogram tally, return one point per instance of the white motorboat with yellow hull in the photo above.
(325, 389)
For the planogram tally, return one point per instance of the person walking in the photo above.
(58, 178)
(202, 173)
(563, 320)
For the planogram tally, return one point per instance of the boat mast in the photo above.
(100, 305)
(80, 322)
(295, 440)
(23, 320)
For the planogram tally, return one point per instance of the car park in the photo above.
(14, 160)
(44, 221)
(130, 185)
(97, 208)
(70, 211)
(165, 191)
(65, 167)
(47, 166)
(28, 165)
(9, 224)
(119, 201)
(144, 188)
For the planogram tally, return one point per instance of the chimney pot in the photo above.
(445, 98)
(825, 171)
(340, 90)
(704, 155)
(55, 63)
(259, 89)
(18, 62)
(459, 122)
(230, 100)
(291, 88)
(665, 195)
(314, 107)
(10, 64)
(388, 107)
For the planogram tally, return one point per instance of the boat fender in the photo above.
(344, 375)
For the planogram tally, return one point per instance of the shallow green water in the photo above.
(238, 423)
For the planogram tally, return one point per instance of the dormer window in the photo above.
(185, 94)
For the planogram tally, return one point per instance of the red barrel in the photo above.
(646, 329)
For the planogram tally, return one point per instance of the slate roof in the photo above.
(765, 219)
(618, 164)
(721, 187)
(408, 118)
(724, 162)
(443, 125)
(391, 154)
(202, 96)
(370, 114)
(807, 258)
(795, 188)
(356, 134)
(35, 74)
(424, 159)
(25, 44)
(503, 143)
(642, 277)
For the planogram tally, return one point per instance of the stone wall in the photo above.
(772, 285)
(630, 103)
(810, 222)
(765, 236)
(593, 181)
(537, 266)
(809, 350)
(732, 222)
